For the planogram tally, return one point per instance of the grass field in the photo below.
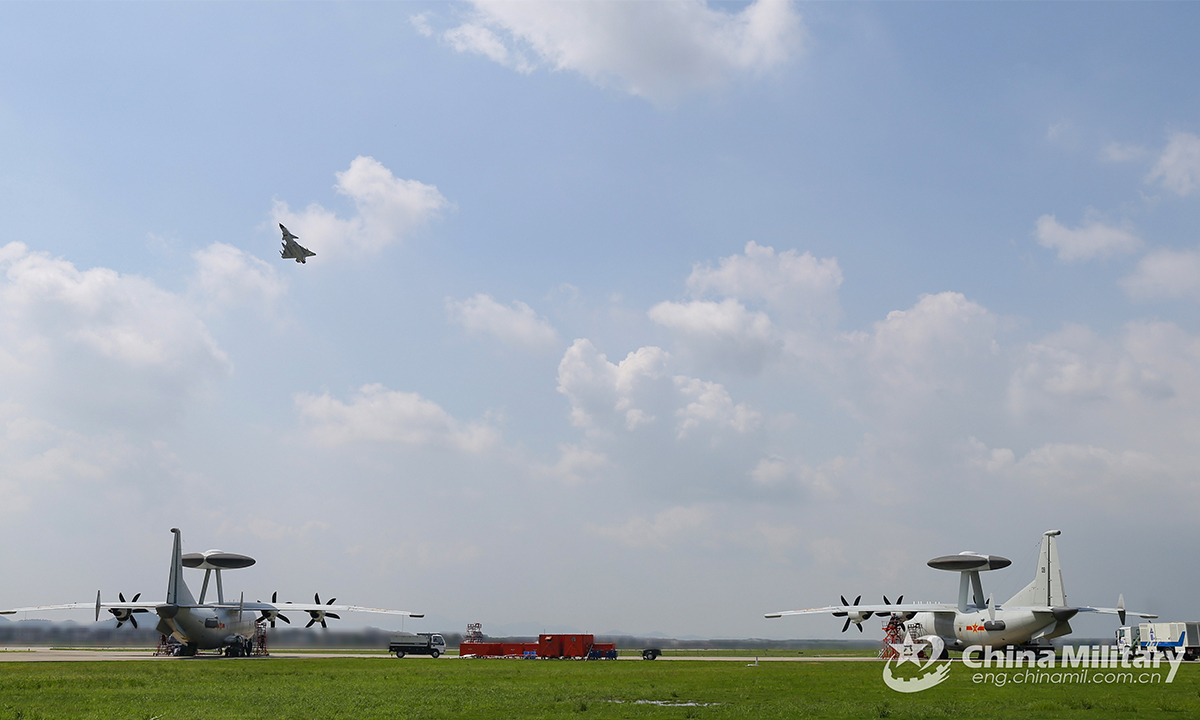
(390, 688)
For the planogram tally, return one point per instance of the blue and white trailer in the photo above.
(1150, 637)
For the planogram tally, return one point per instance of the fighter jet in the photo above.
(292, 249)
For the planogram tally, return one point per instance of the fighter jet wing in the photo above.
(899, 607)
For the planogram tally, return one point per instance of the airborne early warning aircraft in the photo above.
(293, 250)
(206, 626)
(1038, 612)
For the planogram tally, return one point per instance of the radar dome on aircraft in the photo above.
(969, 561)
(216, 560)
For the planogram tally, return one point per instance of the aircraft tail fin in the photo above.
(1047, 586)
(177, 590)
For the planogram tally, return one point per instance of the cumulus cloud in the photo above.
(38, 458)
(709, 403)
(640, 391)
(1092, 240)
(773, 303)
(788, 282)
(1178, 168)
(389, 209)
(516, 325)
(376, 414)
(933, 346)
(660, 51)
(659, 531)
(722, 330)
(1165, 274)
(228, 278)
(98, 342)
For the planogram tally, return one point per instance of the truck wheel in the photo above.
(435, 654)
(399, 654)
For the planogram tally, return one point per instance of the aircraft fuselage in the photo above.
(962, 629)
(209, 627)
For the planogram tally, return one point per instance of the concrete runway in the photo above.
(45, 654)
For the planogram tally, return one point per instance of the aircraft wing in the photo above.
(84, 606)
(1116, 611)
(899, 607)
(314, 607)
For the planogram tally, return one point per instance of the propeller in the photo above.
(123, 614)
(320, 615)
(991, 609)
(851, 617)
(272, 615)
(899, 601)
(1121, 608)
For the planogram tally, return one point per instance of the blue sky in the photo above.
(754, 304)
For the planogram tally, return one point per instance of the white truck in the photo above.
(406, 643)
(1149, 637)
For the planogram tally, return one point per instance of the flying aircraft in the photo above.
(197, 625)
(1038, 612)
(292, 249)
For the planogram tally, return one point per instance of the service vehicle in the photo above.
(417, 644)
(1149, 637)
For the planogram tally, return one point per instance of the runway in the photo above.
(46, 654)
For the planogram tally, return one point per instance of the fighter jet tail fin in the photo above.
(1046, 589)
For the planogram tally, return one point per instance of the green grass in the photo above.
(385, 688)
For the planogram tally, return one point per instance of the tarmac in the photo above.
(46, 654)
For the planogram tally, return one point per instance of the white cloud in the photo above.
(1178, 168)
(709, 403)
(788, 283)
(576, 464)
(640, 391)
(38, 459)
(1092, 240)
(932, 345)
(661, 530)
(389, 209)
(420, 21)
(797, 294)
(516, 325)
(227, 278)
(376, 414)
(100, 343)
(660, 50)
(1084, 473)
(724, 330)
(1165, 275)
(477, 39)
(1120, 152)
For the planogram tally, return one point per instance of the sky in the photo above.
(624, 317)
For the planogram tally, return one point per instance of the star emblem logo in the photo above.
(908, 650)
